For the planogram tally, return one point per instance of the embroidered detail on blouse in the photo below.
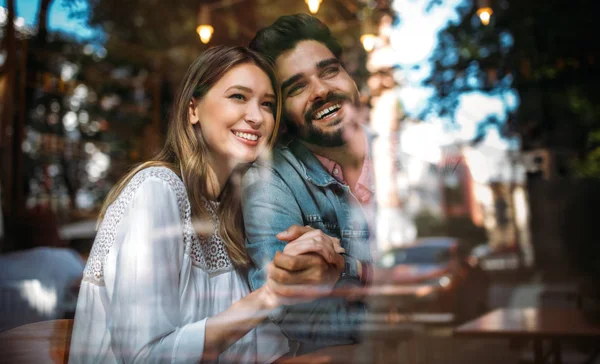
(208, 253)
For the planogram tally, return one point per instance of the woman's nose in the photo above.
(254, 116)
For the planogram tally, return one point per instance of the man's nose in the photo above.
(319, 90)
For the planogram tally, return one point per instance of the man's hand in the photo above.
(304, 239)
(309, 266)
(306, 276)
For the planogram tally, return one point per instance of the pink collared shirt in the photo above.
(362, 190)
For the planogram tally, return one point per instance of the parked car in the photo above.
(460, 285)
(503, 259)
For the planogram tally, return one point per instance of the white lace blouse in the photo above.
(150, 283)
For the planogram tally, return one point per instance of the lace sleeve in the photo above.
(144, 273)
(94, 270)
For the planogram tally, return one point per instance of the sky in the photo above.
(59, 19)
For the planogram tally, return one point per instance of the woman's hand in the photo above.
(305, 239)
(268, 295)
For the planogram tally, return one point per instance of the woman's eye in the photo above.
(237, 96)
(269, 104)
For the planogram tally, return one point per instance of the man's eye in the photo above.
(294, 90)
(331, 71)
(237, 96)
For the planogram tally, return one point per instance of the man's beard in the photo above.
(312, 134)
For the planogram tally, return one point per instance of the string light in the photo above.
(313, 5)
(204, 29)
(205, 32)
(368, 41)
(484, 11)
(485, 14)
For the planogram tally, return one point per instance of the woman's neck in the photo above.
(217, 174)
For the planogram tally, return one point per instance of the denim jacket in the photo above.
(295, 188)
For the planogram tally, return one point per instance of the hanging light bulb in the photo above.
(313, 5)
(368, 30)
(484, 15)
(484, 11)
(204, 30)
(368, 41)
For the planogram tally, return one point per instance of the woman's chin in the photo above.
(244, 159)
(248, 156)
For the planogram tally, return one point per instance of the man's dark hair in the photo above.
(289, 30)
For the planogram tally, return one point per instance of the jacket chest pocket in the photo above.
(356, 243)
(328, 227)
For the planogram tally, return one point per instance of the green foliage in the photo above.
(589, 166)
(551, 62)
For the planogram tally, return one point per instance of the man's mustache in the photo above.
(331, 97)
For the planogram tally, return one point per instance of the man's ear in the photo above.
(192, 114)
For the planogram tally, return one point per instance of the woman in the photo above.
(164, 281)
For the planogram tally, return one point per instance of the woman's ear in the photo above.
(192, 114)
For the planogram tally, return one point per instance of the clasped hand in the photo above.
(308, 267)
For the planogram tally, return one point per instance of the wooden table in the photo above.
(540, 325)
(346, 354)
(40, 342)
(383, 331)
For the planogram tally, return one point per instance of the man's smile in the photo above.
(327, 111)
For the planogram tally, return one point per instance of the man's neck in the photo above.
(349, 156)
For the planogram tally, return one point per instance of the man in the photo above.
(319, 178)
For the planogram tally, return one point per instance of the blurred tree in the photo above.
(143, 34)
(163, 34)
(545, 49)
(43, 19)
(590, 165)
(429, 224)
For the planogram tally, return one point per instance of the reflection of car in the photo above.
(460, 285)
(504, 259)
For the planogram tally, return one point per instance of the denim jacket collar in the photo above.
(312, 169)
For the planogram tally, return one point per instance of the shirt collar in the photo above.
(364, 184)
(315, 171)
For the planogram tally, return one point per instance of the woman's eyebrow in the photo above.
(240, 87)
(248, 90)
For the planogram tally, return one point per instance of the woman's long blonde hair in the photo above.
(186, 153)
